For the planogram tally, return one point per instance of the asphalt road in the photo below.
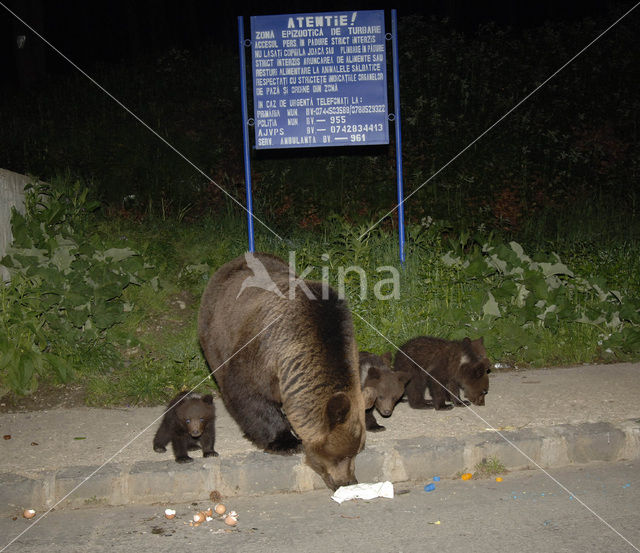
(527, 512)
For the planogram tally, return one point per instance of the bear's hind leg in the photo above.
(285, 443)
(261, 420)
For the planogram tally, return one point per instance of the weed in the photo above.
(65, 292)
(489, 467)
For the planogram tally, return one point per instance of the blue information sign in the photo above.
(319, 79)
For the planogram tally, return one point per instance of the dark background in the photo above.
(113, 31)
(463, 66)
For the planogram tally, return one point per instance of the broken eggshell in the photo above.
(231, 519)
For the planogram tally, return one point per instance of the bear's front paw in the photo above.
(462, 403)
(421, 405)
(378, 428)
(159, 449)
(210, 454)
(185, 459)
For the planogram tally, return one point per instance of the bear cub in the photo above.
(434, 363)
(189, 425)
(376, 373)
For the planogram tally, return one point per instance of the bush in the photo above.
(65, 289)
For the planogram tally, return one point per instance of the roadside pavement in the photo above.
(548, 417)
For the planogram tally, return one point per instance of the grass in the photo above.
(489, 467)
(155, 353)
(164, 356)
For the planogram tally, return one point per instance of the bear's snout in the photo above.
(195, 428)
(333, 485)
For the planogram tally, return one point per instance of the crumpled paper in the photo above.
(363, 491)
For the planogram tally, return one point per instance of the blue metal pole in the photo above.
(396, 106)
(245, 132)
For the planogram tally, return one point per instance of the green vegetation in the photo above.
(65, 291)
(131, 337)
(489, 467)
(530, 239)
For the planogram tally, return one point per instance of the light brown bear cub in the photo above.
(444, 367)
(376, 373)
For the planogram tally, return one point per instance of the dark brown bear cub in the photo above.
(376, 373)
(189, 425)
(444, 367)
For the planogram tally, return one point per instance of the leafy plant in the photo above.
(507, 286)
(488, 467)
(65, 290)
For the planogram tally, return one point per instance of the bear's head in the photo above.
(333, 456)
(474, 370)
(194, 413)
(389, 388)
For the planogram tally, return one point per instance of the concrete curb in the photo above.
(258, 473)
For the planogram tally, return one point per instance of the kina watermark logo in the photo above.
(260, 279)
(383, 289)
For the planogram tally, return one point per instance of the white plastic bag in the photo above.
(363, 491)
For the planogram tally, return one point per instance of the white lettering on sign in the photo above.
(332, 65)
(301, 22)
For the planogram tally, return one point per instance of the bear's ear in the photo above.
(373, 373)
(478, 347)
(177, 399)
(369, 395)
(403, 377)
(208, 398)
(337, 409)
(387, 358)
(479, 371)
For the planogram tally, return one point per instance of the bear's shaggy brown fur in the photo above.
(376, 373)
(287, 368)
(188, 424)
(444, 367)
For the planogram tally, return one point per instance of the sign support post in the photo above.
(245, 133)
(396, 107)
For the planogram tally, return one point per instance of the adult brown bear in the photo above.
(284, 355)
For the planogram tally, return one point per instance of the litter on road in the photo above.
(363, 491)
